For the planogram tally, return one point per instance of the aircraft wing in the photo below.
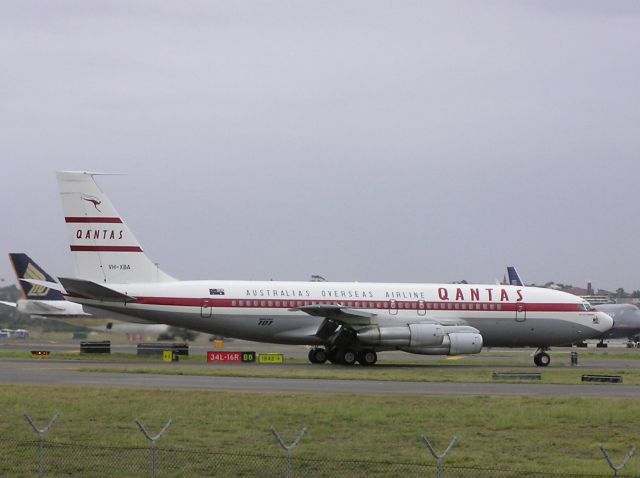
(8, 304)
(353, 317)
(344, 315)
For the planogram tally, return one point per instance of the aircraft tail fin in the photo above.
(103, 248)
(514, 277)
(26, 268)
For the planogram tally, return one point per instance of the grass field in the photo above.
(544, 434)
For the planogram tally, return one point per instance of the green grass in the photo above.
(525, 433)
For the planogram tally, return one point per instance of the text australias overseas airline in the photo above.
(344, 322)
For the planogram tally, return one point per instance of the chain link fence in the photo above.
(20, 459)
(46, 456)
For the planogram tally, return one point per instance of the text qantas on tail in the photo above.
(344, 322)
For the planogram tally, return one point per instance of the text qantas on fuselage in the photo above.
(344, 322)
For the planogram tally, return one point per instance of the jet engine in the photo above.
(454, 343)
(409, 335)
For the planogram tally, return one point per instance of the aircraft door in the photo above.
(422, 309)
(521, 312)
(205, 309)
(393, 307)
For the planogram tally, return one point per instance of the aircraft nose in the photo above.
(605, 322)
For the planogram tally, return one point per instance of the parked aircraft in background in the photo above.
(626, 317)
(345, 322)
(39, 300)
(41, 297)
(626, 324)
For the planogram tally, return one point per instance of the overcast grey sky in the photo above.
(361, 140)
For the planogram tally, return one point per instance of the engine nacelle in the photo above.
(454, 343)
(410, 335)
(465, 343)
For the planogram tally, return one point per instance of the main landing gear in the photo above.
(343, 356)
(541, 358)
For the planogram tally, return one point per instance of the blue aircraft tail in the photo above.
(514, 278)
(26, 268)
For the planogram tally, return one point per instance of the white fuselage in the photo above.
(262, 311)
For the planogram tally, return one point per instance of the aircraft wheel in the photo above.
(542, 359)
(346, 357)
(367, 357)
(317, 356)
(332, 356)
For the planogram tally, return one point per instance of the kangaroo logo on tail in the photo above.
(93, 200)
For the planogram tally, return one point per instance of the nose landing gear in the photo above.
(541, 358)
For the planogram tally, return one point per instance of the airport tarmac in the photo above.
(523, 357)
(52, 372)
(79, 374)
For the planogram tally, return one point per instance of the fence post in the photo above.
(153, 441)
(41, 433)
(439, 458)
(288, 448)
(618, 468)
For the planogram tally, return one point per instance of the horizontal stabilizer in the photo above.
(38, 306)
(90, 290)
(8, 304)
(44, 283)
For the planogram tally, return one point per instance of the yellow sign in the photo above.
(271, 358)
(218, 344)
(167, 356)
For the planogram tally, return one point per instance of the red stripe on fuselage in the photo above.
(423, 308)
(105, 248)
(98, 220)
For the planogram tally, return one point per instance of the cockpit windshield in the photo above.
(587, 306)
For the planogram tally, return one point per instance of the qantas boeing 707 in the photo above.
(343, 322)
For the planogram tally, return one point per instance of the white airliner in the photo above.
(344, 322)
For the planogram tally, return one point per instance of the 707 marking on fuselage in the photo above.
(265, 321)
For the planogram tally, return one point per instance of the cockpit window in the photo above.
(587, 306)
